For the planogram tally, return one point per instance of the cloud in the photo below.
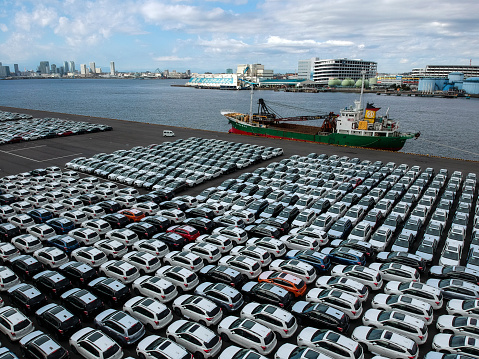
(171, 58)
(3, 27)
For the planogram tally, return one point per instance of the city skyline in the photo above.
(144, 35)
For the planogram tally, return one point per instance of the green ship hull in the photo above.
(389, 143)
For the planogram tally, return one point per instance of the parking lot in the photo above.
(40, 155)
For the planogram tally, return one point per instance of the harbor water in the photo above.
(448, 127)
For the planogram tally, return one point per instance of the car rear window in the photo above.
(9, 279)
(111, 351)
(22, 325)
(135, 328)
(269, 338)
(93, 305)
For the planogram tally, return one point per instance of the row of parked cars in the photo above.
(267, 290)
(17, 128)
(174, 165)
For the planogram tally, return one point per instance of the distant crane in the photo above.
(157, 71)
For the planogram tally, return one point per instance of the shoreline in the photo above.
(23, 156)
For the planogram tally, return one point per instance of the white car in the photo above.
(386, 343)
(51, 257)
(295, 267)
(145, 262)
(208, 252)
(121, 270)
(233, 351)
(93, 344)
(421, 291)
(404, 304)
(224, 244)
(304, 218)
(456, 344)
(300, 242)
(450, 255)
(347, 285)
(463, 308)
(404, 324)
(89, 255)
(275, 247)
(237, 235)
(458, 325)
(198, 309)
(248, 333)
(184, 279)
(287, 351)
(98, 225)
(259, 254)
(174, 215)
(330, 343)
(152, 313)
(345, 302)
(149, 208)
(195, 337)
(112, 248)
(14, 324)
(8, 279)
(361, 231)
(85, 236)
(279, 320)
(396, 272)
(369, 277)
(76, 216)
(184, 259)
(153, 246)
(155, 287)
(381, 238)
(27, 243)
(41, 231)
(245, 265)
(123, 235)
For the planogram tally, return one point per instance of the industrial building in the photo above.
(455, 81)
(445, 70)
(244, 76)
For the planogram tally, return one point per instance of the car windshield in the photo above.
(374, 334)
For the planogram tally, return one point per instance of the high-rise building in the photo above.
(53, 69)
(305, 68)
(112, 68)
(4, 70)
(65, 66)
(92, 68)
(44, 67)
(83, 70)
(325, 70)
(17, 71)
(71, 68)
(229, 71)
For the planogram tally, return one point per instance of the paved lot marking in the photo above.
(14, 154)
(27, 148)
(56, 158)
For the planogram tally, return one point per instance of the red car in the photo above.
(187, 232)
(134, 215)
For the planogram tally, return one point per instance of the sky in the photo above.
(213, 35)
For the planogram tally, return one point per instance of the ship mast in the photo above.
(251, 104)
(362, 89)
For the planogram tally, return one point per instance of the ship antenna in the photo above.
(362, 89)
(251, 104)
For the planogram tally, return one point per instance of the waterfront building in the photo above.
(71, 66)
(83, 69)
(44, 67)
(112, 68)
(92, 68)
(53, 69)
(229, 71)
(342, 69)
(254, 72)
(445, 70)
(65, 67)
(4, 70)
(219, 81)
(16, 70)
(306, 67)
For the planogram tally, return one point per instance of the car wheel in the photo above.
(150, 327)
(224, 337)
(199, 355)
(177, 311)
(141, 356)
(74, 349)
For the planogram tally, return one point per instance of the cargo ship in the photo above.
(355, 126)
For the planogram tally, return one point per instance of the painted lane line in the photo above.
(56, 158)
(27, 148)
(14, 154)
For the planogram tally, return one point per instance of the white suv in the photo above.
(153, 314)
(199, 309)
(155, 287)
(93, 344)
(14, 324)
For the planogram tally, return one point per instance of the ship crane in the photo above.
(267, 114)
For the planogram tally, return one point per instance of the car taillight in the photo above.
(281, 305)
(376, 284)
(54, 290)
(231, 305)
(262, 347)
(186, 284)
(114, 298)
(127, 338)
(286, 330)
(60, 331)
(13, 334)
(92, 262)
(28, 306)
(209, 319)
(427, 318)
(340, 329)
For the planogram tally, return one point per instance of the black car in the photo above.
(174, 205)
(116, 220)
(263, 230)
(8, 231)
(263, 192)
(174, 241)
(257, 207)
(144, 230)
(52, 283)
(89, 199)
(38, 172)
(222, 274)
(6, 199)
(83, 303)
(455, 272)
(267, 293)
(321, 206)
(110, 290)
(320, 316)
(58, 320)
(203, 225)
(280, 223)
(288, 213)
(26, 297)
(406, 258)
(26, 266)
(149, 197)
(109, 206)
(78, 273)
(41, 346)
(163, 194)
(161, 223)
(227, 184)
(199, 212)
